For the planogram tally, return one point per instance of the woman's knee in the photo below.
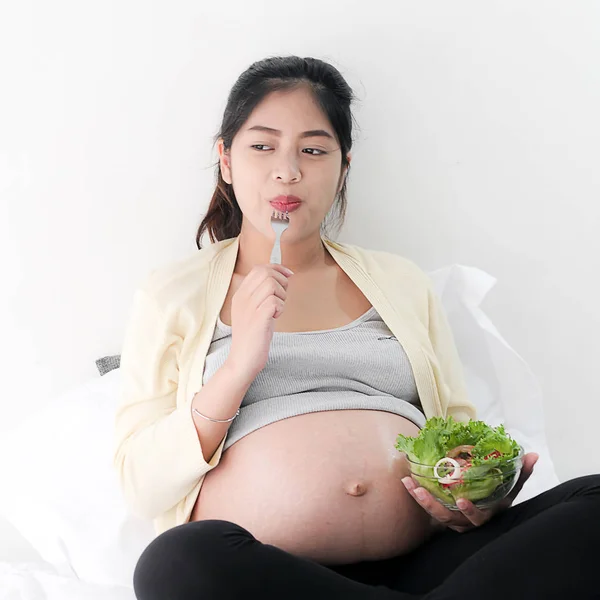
(584, 486)
(590, 484)
(586, 483)
(187, 556)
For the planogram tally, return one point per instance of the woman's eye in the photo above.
(312, 151)
(320, 152)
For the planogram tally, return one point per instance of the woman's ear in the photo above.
(344, 172)
(224, 161)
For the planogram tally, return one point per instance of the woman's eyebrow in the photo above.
(305, 134)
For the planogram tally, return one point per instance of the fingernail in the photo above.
(420, 493)
(462, 504)
(409, 484)
(290, 272)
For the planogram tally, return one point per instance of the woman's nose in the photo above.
(288, 171)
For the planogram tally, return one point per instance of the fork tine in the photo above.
(280, 216)
(280, 222)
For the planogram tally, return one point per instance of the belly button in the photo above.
(356, 489)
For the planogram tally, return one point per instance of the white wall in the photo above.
(478, 144)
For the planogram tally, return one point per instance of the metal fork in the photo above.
(280, 222)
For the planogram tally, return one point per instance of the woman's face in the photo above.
(273, 155)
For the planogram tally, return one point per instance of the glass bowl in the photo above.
(483, 485)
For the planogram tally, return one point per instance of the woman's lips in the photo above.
(285, 206)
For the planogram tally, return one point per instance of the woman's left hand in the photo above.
(469, 516)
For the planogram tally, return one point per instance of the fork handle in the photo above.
(276, 252)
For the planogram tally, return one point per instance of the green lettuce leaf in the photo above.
(429, 446)
(440, 435)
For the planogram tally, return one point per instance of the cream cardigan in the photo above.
(157, 455)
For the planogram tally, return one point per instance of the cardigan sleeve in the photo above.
(157, 453)
(450, 376)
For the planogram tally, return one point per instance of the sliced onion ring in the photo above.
(452, 476)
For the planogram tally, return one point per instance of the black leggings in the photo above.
(546, 547)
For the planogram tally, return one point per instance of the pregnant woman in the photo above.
(261, 402)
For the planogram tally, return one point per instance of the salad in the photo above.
(453, 459)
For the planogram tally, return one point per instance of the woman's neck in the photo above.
(306, 255)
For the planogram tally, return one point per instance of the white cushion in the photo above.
(62, 494)
(40, 581)
(499, 382)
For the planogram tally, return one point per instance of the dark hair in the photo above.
(223, 219)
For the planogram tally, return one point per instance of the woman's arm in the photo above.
(158, 455)
(219, 399)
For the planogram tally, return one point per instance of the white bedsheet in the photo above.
(39, 581)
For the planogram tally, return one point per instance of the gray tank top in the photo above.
(360, 365)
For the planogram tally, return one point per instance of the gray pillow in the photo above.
(107, 363)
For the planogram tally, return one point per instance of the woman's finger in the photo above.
(437, 510)
(475, 515)
(529, 461)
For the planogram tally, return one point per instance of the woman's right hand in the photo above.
(256, 304)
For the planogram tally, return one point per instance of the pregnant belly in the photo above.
(325, 485)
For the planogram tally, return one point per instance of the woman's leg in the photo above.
(218, 559)
(546, 547)
(541, 549)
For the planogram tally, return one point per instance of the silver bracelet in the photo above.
(216, 420)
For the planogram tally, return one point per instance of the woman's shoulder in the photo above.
(176, 280)
(381, 261)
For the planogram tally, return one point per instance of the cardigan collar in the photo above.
(225, 257)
